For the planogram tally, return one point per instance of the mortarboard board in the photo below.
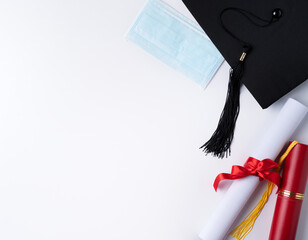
(268, 38)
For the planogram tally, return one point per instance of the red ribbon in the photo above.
(252, 167)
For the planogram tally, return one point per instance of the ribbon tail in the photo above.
(273, 177)
(220, 177)
(227, 176)
(236, 173)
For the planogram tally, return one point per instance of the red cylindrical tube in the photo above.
(290, 194)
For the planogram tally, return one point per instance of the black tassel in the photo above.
(220, 142)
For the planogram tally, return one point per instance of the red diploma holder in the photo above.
(290, 194)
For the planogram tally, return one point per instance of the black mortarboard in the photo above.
(267, 37)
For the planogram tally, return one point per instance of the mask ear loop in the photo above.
(220, 142)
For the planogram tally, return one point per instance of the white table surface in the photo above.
(99, 140)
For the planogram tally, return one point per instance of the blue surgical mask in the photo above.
(175, 40)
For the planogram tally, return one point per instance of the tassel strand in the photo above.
(220, 142)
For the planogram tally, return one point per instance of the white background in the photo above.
(99, 140)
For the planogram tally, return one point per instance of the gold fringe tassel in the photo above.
(245, 227)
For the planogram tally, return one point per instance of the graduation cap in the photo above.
(265, 43)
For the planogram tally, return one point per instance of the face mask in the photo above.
(176, 41)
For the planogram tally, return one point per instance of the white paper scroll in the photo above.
(239, 192)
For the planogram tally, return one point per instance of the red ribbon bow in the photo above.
(252, 167)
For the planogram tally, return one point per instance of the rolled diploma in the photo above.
(280, 131)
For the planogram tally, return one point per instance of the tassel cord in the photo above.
(220, 142)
